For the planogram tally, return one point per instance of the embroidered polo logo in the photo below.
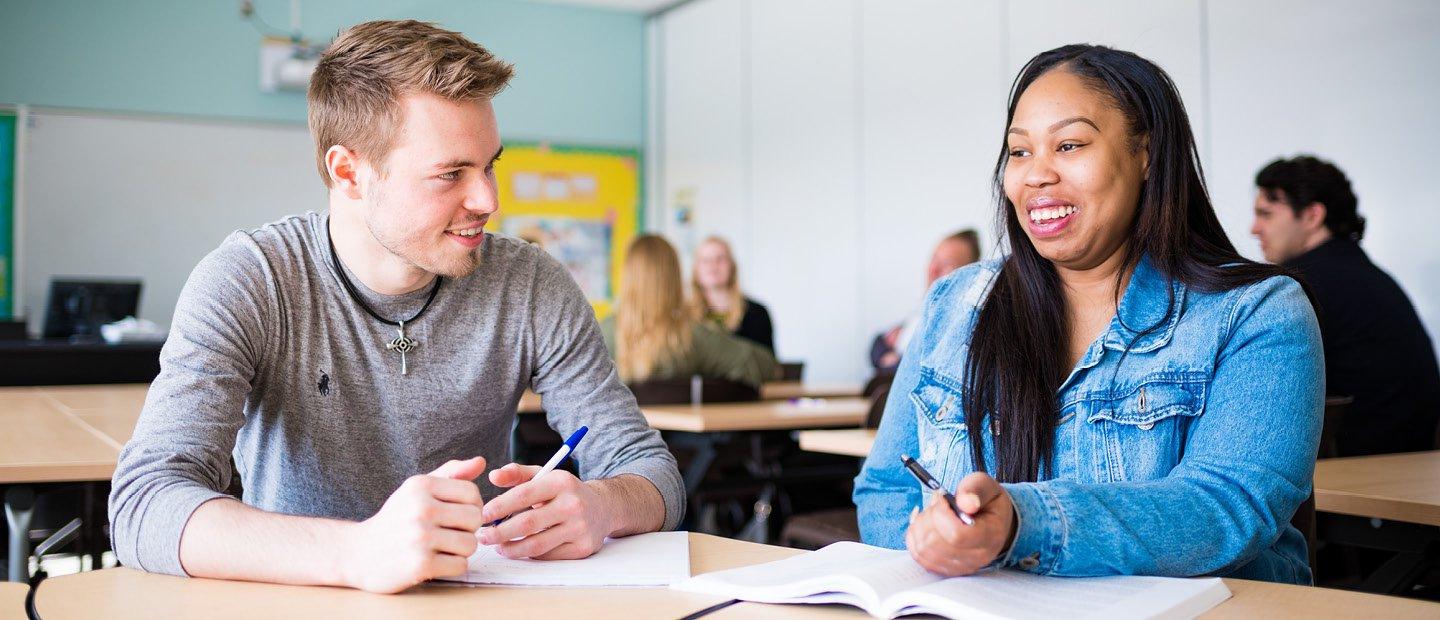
(324, 385)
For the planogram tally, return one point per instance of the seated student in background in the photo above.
(954, 251)
(716, 297)
(339, 358)
(1123, 393)
(654, 335)
(1376, 349)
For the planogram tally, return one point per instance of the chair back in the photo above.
(877, 406)
(791, 371)
(1335, 407)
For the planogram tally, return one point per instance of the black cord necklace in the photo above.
(402, 344)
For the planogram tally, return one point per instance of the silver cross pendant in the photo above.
(403, 345)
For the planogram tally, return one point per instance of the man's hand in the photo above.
(943, 544)
(568, 519)
(426, 529)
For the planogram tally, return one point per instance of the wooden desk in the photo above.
(12, 599)
(59, 434)
(774, 390)
(757, 416)
(781, 390)
(122, 593)
(843, 441)
(1399, 487)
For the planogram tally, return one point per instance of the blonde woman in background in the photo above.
(654, 335)
(715, 295)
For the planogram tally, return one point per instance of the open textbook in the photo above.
(887, 583)
(655, 559)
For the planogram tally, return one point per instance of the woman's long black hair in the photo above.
(1018, 351)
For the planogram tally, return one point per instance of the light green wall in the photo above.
(579, 72)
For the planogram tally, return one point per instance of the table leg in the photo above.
(19, 504)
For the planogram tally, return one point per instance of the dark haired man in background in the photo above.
(1376, 349)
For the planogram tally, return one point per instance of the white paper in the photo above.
(655, 559)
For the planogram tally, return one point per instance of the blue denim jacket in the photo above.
(1188, 459)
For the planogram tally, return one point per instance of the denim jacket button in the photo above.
(1146, 426)
(1030, 562)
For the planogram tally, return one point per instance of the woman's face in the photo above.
(1072, 173)
(712, 265)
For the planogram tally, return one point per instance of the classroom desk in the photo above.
(122, 593)
(842, 441)
(12, 599)
(58, 434)
(774, 390)
(54, 362)
(1398, 487)
(780, 390)
(757, 415)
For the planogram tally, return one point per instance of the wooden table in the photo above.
(58, 434)
(843, 441)
(12, 599)
(757, 415)
(122, 593)
(1399, 487)
(780, 390)
(530, 402)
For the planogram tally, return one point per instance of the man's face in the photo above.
(949, 256)
(1283, 234)
(429, 203)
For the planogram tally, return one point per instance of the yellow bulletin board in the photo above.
(582, 205)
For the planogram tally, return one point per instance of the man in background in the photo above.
(1376, 349)
(953, 252)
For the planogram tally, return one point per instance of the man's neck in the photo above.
(1317, 239)
(377, 268)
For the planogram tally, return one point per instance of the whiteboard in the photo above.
(146, 198)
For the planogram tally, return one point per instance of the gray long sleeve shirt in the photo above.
(269, 359)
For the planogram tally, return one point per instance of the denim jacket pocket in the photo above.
(944, 439)
(1140, 433)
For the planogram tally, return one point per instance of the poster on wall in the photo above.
(581, 205)
(7, 214)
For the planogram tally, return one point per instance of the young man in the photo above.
(351, 353)
(1376, 349)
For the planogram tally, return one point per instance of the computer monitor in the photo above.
(79, 307)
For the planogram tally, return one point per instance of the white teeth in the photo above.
(1040, 215)
(469, 232)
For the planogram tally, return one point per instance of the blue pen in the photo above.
(560, 455)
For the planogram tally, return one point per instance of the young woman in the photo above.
(654, 336)
(716, 296)
(1122, 393)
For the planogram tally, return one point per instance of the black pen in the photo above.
(928, 481)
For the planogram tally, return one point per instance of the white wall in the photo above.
(835, 142)
(147, 197)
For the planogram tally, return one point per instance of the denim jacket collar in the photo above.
(1146, 303)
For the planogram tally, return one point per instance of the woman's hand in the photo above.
(945, 545)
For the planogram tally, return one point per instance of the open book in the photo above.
(888, 583)
(655, 559)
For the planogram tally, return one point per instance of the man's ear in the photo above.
(1313, 215)
(344, 168)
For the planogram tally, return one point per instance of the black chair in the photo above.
(686, 390)
(817, 529)
(791, 371)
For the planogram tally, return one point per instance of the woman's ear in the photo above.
(1145, 157)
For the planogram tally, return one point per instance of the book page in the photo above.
(1013, 594)
(655, 559)
(869, 573)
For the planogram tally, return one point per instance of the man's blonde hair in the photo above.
(652, 324)
(356, 88)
